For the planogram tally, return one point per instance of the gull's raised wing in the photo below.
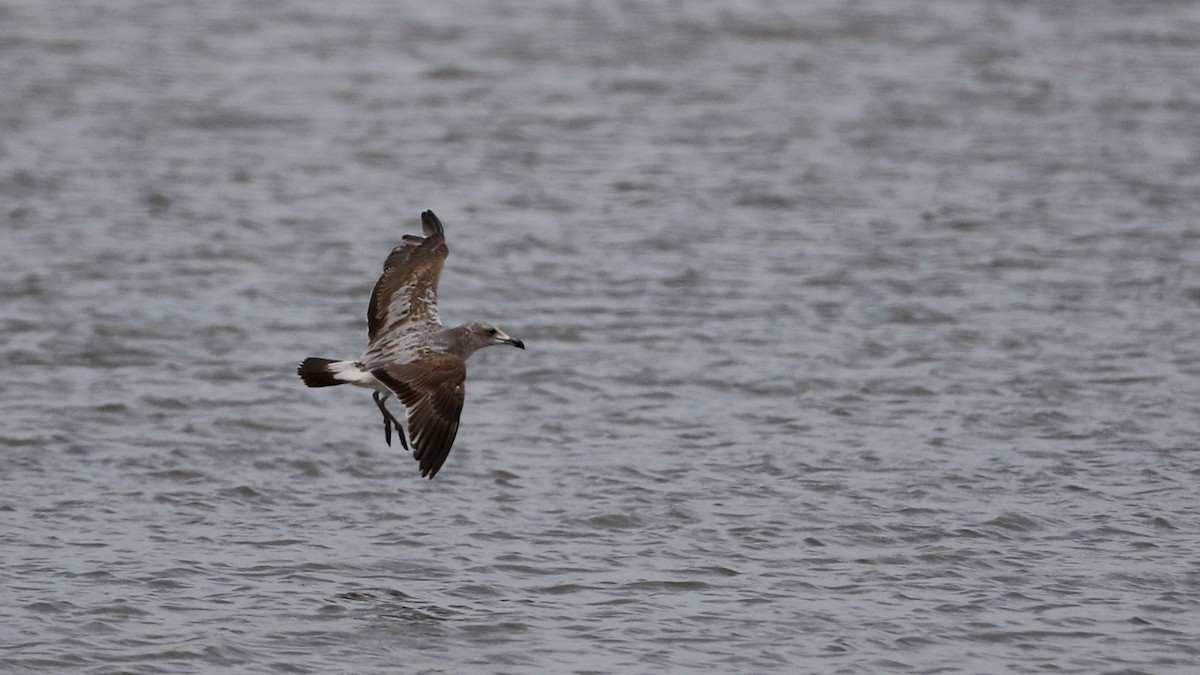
(406, 292)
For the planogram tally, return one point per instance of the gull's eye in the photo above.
(491, 331)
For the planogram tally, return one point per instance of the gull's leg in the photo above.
(395, 423)
(388, 420)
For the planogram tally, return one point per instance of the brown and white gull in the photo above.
(410, 354)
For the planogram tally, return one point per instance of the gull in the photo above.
(410, 355)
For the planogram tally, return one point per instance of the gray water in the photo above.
(863, 336)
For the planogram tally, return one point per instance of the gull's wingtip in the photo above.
(430, 224)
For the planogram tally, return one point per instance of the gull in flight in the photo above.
(410, 355)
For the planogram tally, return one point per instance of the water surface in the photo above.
(862, 336)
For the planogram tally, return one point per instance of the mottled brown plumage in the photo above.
(410, 354)
(407, 289)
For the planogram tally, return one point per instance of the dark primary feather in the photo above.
(430, 224)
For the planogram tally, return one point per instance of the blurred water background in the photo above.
(863, 336)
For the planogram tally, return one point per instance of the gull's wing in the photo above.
(433, 390)
(406, 292)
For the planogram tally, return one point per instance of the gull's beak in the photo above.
(503, 339)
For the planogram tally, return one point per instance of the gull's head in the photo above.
(483, 334)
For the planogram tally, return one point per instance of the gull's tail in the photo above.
(329, 373)
(322, 372)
